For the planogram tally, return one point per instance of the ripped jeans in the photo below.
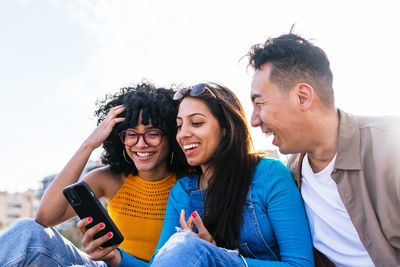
(184, 249)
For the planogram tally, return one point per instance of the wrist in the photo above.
(116, 260)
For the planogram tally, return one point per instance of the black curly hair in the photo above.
(158, 106)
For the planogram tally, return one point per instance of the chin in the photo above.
(192, 162)
(144, 167)
(284, 150)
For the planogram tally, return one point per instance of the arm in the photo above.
(53, 208)
(177, 201)
(284, 208)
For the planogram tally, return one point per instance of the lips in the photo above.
(191, 148)
(267, 131)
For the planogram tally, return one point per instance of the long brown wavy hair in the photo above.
(232, 166)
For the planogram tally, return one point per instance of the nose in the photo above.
(255, 118)
(141, 142)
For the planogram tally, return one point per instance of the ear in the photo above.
(305, 95)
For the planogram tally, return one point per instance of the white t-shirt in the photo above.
(332, 231)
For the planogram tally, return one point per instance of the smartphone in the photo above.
(85, 203)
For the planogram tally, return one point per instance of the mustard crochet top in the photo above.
(138, 211)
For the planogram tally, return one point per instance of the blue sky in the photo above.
(57, 57)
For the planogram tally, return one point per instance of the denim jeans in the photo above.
(184, 249)
(27, 243)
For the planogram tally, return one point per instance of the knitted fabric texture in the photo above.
(138, 211)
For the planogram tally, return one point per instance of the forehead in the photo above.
(191, 106)
(260, 82)
(261, 86)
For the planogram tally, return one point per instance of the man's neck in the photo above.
(325, 128)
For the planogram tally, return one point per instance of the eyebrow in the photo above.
(193, 114)
(253, 97)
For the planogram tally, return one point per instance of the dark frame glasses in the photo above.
(146, 137)
(193, 91)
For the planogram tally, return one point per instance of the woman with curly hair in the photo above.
(142, 160)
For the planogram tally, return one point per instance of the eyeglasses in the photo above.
(193, 91)
(131, 137)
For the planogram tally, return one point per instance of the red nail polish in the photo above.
(194, 214)
(109, 234)
(101, 225)
(89, 219)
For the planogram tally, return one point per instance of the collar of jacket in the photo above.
(348, 148)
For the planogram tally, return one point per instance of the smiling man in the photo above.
(347, 167)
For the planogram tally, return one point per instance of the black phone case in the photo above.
(86, 204)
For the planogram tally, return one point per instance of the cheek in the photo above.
(177, 136)
(272, 115)
(164, 150)
(264, 115)
(215, 140)
(128, 153)
(164, 153)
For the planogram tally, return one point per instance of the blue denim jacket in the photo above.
(274, 227)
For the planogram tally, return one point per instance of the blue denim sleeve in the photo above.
(283, 207)
(128, 260)
(176, 201)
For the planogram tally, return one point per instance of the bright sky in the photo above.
(57, 57)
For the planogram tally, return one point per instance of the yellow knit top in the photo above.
(138, 211)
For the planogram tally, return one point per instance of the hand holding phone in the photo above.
(86, 204)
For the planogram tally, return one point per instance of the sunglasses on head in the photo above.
(193, 91)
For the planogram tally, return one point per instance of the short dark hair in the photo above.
(293, 60)
(158, 106)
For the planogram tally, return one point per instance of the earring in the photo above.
(123, 154)
(172, 158)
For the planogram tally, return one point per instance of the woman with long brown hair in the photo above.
(239, 209)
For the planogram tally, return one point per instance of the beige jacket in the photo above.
(367, 174)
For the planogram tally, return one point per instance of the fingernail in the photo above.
(101, 225)
(194, 214)
(109, 234)
(89, 219)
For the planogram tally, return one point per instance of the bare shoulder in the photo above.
(104, 182)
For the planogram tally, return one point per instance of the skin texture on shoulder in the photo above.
(104, 183)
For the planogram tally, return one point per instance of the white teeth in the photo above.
(190, 146)
(143, 155)
(268, 132)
